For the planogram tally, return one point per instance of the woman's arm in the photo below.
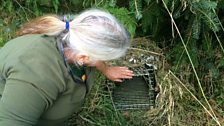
(114, 73)
(21, 104)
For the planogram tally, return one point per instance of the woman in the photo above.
(40, 81)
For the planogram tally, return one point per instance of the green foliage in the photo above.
(112, 3)
(153, 19)
(194, 50)
(147, 1)
(7, 5)
(136, 6)
(196, 28)
(221, 63)
(205, 8)
(76, 2)
(198, 22)
(202, 16)
(56, 3)
(220, 4)
(45, 3)
(123, 15)
(212, 21)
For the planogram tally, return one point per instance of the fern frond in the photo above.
(206, 7)
(9, 5)
(123, 15)
(193, 52)
(221, 63)
(136, 7)
(147, 1)
(203, 5)
(56, 3)
(153, 19)
(212, 21)
(196, 28)
(28, 3)
(221, 4)
(35, 7)
(207, 45)
(112, 3)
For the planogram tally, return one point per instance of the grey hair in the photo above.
(98, 34)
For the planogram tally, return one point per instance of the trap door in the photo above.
(137, 93)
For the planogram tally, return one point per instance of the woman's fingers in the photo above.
(127, 73)
(127, 77)
(118, 80)
(118, 74)
(125, 68)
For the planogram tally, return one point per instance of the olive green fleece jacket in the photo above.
(35, 85)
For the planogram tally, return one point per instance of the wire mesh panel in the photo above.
(137, 93)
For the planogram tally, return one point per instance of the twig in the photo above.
(153, 53)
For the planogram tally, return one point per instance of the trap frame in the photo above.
(137, 93)
(140, 91)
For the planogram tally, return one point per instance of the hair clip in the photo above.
(67, 25)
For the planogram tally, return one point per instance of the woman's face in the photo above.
(79, 58)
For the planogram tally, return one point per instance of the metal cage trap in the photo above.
(138, 92)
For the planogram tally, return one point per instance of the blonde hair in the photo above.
(94, 32)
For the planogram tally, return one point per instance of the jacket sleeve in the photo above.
(33, 82)
(21, 104)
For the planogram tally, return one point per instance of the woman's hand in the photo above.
(114, 73)
(118, 73)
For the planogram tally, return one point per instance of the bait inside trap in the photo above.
(138, 92)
